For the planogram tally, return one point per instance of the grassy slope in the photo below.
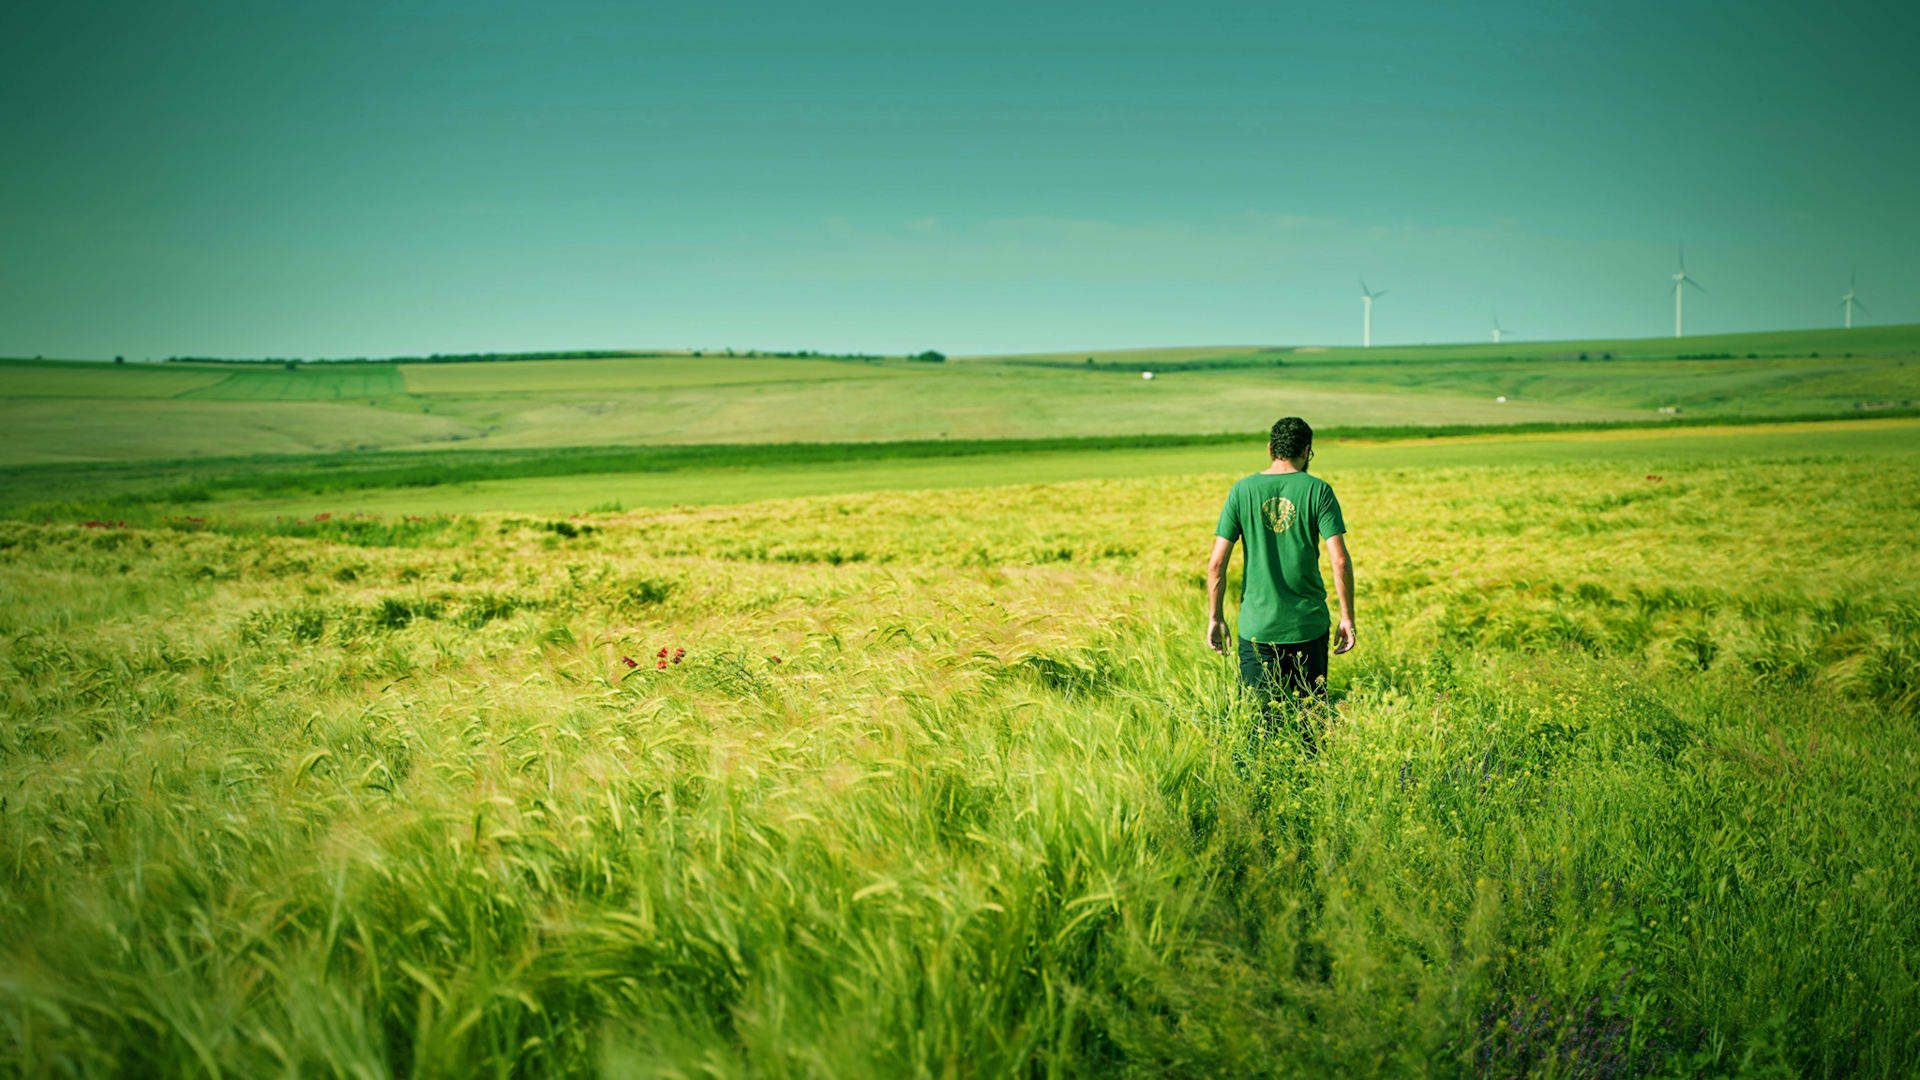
(43, 430)
(1697, 387)
(52, 412)
(968, 402)
(61, 379)
(305, 384)
(1632, 451)
(643, 373)
(574, 479)
(1625, 773)
(1884, 341)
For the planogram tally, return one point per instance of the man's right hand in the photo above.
(1217, 635)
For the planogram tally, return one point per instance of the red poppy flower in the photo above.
(662, 653)
(629, 661)
(661, 664)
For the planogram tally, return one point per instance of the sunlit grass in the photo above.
(1622, 777)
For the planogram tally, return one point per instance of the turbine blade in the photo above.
(1695, 284)
(1861, 306)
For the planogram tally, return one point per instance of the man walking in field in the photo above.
(1282, 515)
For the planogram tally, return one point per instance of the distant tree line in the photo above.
(796, 354)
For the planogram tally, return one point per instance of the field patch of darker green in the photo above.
(305, 383)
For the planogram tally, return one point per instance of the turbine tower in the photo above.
(1496, 328)
(1367, 297)
(1680, 282)
(1850, 301)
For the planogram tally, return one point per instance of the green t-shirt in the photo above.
(1282, 518)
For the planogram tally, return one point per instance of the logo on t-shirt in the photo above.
(1279, 513)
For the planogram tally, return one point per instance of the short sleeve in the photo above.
(1328, 520)
(1229, 527)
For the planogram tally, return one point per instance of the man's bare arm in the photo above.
(1217, 593)
(1343, 636)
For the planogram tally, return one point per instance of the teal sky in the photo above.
(352, 178)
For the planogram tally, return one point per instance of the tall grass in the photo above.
(1592, 802)
(149, 491)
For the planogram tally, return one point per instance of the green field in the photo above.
(77, 412)
(597, 478)
(1622, 780)
(56, 379)
(305, 384)
(1865, 440)
(1866, 341)
(663, 716)
(69, 429)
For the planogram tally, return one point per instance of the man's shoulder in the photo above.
(1282, 480)
(1286, 480)
(1243, 484)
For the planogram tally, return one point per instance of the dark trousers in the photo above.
(1285, 672)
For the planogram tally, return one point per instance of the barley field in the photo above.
(1622, 780)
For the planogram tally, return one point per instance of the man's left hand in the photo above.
(1217, 635)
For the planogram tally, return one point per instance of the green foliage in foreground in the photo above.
(1622, 782)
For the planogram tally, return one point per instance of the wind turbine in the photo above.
(1850, 301)
(1367, 297)
(1680, 282)
(1496, 328)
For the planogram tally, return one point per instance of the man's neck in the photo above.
(1287, 465)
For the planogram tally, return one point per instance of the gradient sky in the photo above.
(348, 178)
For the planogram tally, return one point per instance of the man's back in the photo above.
(1281, 517)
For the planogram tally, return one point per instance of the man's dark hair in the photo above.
(1290, 438)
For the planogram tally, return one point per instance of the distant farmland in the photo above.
(305, 384)
(53, 411)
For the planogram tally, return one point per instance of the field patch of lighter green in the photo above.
(976, 402)
(44, 430)
(1712, 387)
(1632, 452)
(633, 373)
(1860, 342)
